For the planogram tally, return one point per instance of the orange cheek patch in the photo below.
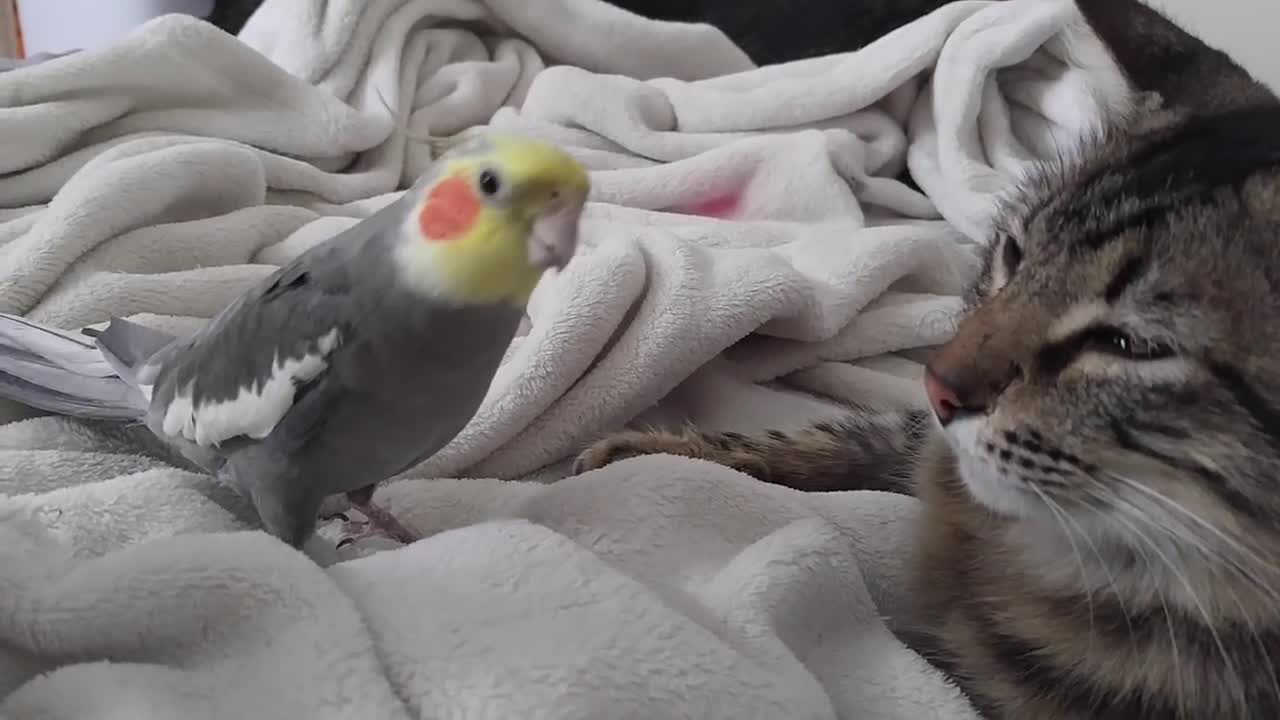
(450, 209)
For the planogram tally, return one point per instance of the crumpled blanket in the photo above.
(750, 257)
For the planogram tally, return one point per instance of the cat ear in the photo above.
(1161, 58)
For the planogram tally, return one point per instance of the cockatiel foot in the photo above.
(380, 523)
(359, 530)
(283, 393)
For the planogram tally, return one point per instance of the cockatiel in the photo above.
(351, 364)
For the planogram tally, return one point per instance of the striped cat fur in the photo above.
(1100, 467)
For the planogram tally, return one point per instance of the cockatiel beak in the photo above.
(554, 236)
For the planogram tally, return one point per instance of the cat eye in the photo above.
(1102, 340)
(1114, 341)
(1010, 255)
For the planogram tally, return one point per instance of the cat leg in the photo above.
(861, 451)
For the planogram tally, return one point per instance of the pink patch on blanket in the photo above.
(716, 206)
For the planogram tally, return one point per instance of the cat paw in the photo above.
(623, 445)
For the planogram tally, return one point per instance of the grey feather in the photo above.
(56, 347)
(343, 430)
(76, 396)
(58, 372)
(329, 376)
(282, 318)
(127, 346)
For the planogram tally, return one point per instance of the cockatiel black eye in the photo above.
(264, 396)
(489, 183)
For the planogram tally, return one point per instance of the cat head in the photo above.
(1120, 362)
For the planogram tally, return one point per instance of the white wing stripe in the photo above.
(256, 411)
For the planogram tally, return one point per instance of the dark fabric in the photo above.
(231, 15)
(770, 31)
(774, 31)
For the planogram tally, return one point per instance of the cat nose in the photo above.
(942, 397)
(951, 395)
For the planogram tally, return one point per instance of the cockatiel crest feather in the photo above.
(350, 364)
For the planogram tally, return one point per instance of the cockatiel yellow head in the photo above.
(498, 211)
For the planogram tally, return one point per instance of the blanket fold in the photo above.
(751, 259)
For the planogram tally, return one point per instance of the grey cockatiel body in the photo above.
(333, 374)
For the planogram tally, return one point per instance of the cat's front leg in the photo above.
(729, 449)
(862, 451)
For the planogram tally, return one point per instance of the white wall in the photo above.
(1247, 30)
(57, 26)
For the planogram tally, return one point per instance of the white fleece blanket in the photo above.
(748, 251)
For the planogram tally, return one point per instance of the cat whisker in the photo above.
(1084, 573)
(1172, 504)
(1231, 564)
(1116, 502)
(1164, 604)
(1102, 563)
(1238, 559)
(1257, 642)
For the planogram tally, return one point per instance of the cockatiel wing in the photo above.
(240, 375)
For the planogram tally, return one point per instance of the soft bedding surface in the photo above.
(751, 261)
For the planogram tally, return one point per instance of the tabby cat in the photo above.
(1099, 464)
